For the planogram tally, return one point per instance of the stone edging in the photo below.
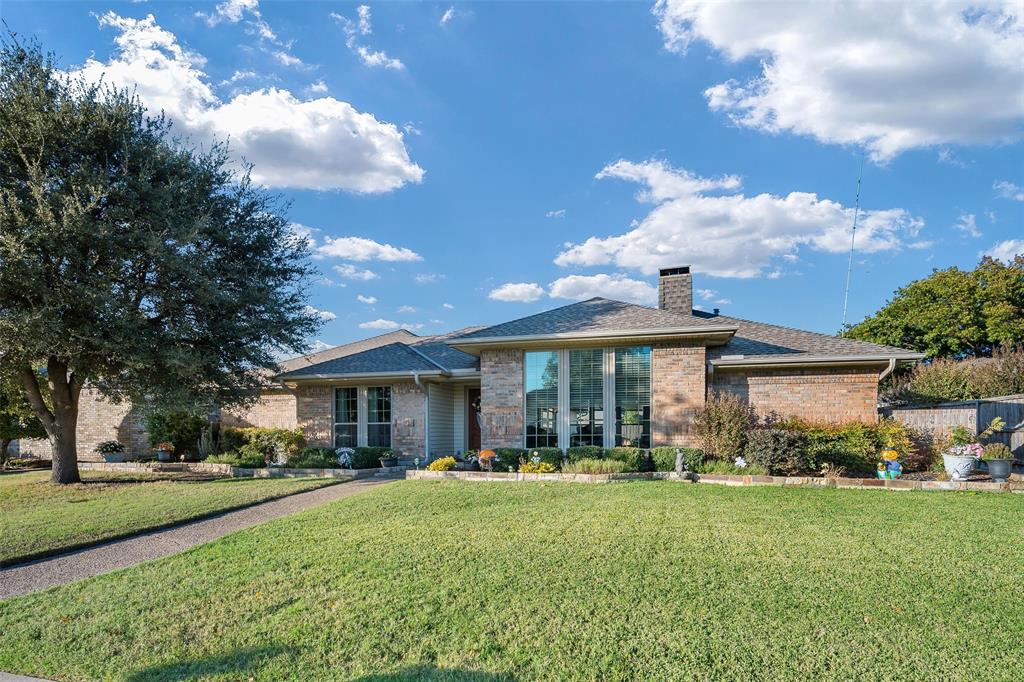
(236, 472)
(727, 479)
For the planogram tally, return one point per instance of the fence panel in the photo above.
(975, 415)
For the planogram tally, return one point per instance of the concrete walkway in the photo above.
(76, 565)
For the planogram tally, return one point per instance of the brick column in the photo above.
(314, 414)
(501, 398)
(408, 419)
(678, 378)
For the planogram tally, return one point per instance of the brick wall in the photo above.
(828, 395)
(408, 419)
(677, 391)
(275, 409)
(314, 414)
(98, 421)
(501, 398)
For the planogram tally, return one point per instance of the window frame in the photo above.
(390, 420)
(354, 424)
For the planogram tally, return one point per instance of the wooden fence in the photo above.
(973, 414)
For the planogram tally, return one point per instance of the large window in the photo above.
(346, 417)
(378, 416)
(542, 399)
(586, 397)
(633, 396)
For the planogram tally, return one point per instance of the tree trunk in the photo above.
(61, 423)
(4, 444)
(65, 446)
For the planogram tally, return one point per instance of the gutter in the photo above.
(888, 370)
(594, 336)
(740, 361)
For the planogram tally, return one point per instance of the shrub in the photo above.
(853, 446)
(528, 467)
(778, 451)
(722, 426)
(589, 465)
(274, 445)
(664, 458)
(944, 380)
(368, 457)
(109, 447)
(248, 461)
(442, 464)
(314, 458)
(720, 466)
(181, 428)
(579, 452)
(507, 457)
(552, 456)
(232, 438)
(28, 463)
(633, 458)
(997, 451)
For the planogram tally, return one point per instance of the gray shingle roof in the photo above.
(394, 357)
(594, 315)
(400, 335)
(760, 341)
(436, 348)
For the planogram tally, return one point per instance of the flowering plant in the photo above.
(969, 450)
(741, 463)
(442, 464)
(109, 447)
(168, 447)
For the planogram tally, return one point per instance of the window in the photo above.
(378, 416)
(586, 397)
(346, 416)
(542, 399)
(633, 396)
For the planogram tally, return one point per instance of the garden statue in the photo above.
(345, 456)
(890, 466)
(487, 459)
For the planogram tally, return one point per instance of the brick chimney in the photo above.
(675, 290)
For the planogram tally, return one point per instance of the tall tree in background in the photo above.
(129, 262)
(17, 419)
(953, 313)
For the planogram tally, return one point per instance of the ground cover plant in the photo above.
(522, 581)
(40, 518)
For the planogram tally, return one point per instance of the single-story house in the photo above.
(597, 372)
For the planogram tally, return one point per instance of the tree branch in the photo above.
(35, 397)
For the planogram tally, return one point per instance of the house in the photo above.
(597, 372)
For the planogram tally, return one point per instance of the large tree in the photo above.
(130, 262)
(953, 313)
(17, 419)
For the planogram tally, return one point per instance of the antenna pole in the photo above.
(853, 237)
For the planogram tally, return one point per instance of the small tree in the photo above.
(16, 418)
(131, 263)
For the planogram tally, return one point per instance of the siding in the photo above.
(441, 433)
(459, 417)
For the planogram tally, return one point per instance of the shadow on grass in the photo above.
(432, 674)
(232, 665)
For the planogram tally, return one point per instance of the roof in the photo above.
(761, 342)
(400, 335)
(595, 316)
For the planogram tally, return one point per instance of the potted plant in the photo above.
(999, 460)
(164, 451)
(111, 451)
(388, 459)
(965, 451)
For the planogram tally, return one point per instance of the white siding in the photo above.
(442, 421)
(460, 418)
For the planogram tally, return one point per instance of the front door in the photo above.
(473, 418)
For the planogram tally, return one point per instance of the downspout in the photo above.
(888, 370)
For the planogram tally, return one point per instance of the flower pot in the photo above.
(163, 456)
(113, 457)
(959, 467)
(999, 469)
(386, 462)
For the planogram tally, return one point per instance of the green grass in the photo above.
(37, 518)
(646, 580)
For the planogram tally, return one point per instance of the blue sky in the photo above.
(461, 164)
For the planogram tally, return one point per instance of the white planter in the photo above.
(959, 467)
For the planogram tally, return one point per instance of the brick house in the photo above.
(597, 372)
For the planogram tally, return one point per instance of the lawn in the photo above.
(38, 518)
(645, 580)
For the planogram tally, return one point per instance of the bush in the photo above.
(722, 426)
(633, 458)
(552, 456)
(273, 445)
(588, 465)
(778, 451)
(663, 458)
(237, 459)
(997, 451)
(314, 458)
(442, 464)
(181, 428)
(528, 467)
(579, 452)
(28, 463)
(232, 438)
(368, 457)
(944, 380)
(719, 466)
(508, 457)
(855, 446)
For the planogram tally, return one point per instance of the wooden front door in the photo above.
(473, 418)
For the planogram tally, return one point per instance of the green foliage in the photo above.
(109, 447)
(855, 446)
(633, 458)
(248, 460)
(28, 463)
(953, 313)
(313, 458)
(274, 445)
(663, 458)
(182, 428)
(578, 452)
(508, 457)
(997, 451)
(589, 465)
(778, 451)
(720, 466)
(17, 420)
(944, 380)
(722, 425)
(132, 262)
(368, 457)
(552, 456)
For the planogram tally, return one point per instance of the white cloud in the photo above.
(616, 286)
(967, 224)
(411, 129)
(388, 324)
(368, 300)
(318, 144)
(362, 249)
(448, 15)
(364, 27)
(559, 213)
(351, 272)
(427, 278)
(238, 76)
(890, 76)
(706, 223)
(711, 296)
(231, 11)
(1006, 250)
(522, 292)
(448, 306)
(406, 309)
(1008, 190)
(234, 11)
(325, 315)
(318, 87)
